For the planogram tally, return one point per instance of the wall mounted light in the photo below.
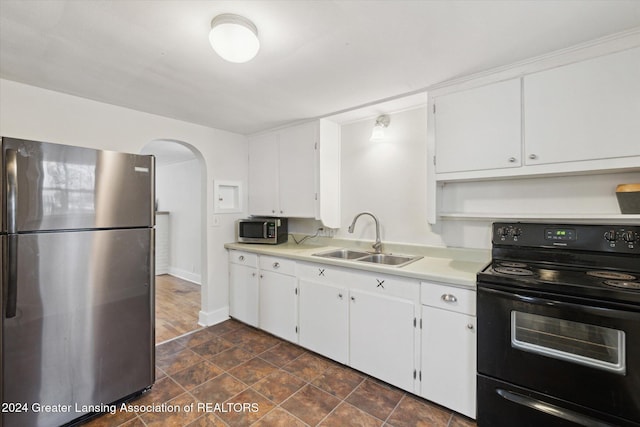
(382, 122)
(234, 37)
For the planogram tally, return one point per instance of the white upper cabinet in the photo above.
(588, 110)
(295, 172)
(263, 175)
(298, 170)
(479, 128)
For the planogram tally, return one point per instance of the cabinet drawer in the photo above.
(322, 273)
(448, 298)
(243, 258)
(278, 265)
(385, 285)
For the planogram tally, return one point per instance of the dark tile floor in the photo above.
(234, 375)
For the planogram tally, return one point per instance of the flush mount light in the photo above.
(378, 129)
(234, 37)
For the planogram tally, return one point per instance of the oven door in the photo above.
(585, 354)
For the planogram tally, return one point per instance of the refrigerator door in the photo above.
(82, 332)
(59, 187)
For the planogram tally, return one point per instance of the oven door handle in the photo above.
(550, 409)
(582, 308)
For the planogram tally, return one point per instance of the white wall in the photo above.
(387, 178)
(33, 113)
(178, 192)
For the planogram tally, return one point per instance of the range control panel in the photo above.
(602, 238)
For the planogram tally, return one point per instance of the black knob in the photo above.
(629, 236)
(610, 235)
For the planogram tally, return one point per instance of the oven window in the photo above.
(580, 343)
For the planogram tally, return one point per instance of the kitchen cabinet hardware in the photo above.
(512, 159)
(253, 274)
(340, 296)
(276, 265)
(241, 257)
(353, 299)
(470, 326)
(533, 156)
(449, 298)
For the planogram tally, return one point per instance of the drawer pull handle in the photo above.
(276, 265)
(448, 298)
(470, 326)
(241, 257)
(340, 296)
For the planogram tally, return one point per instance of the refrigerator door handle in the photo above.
(11, 169)
(12, 276)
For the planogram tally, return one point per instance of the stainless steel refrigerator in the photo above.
(77, 280)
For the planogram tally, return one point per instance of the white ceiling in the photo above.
(318, 57)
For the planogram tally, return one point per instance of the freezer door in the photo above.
(58, 187)
(82, 332)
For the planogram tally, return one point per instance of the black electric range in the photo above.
(559, 326)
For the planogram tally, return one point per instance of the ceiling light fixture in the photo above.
(378, 129)
(234, 37)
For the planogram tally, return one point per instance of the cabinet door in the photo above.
(449, 359)
(583, 111)
(479, 128)
(298, 171)
(278, 305)
(263, 175)
(324, 319)
(243, 293)
(381, 341)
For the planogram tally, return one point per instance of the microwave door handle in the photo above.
(264, 229)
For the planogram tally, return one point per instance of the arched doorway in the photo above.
(180, 236)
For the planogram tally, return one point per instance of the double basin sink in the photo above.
(361, 256)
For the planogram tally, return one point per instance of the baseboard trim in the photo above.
(211, 318)
(185, 275)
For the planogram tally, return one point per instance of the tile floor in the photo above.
(177, 307)
(250, 378)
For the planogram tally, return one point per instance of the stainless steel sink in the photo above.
(389, 259)
(343, 254)
(361, 256)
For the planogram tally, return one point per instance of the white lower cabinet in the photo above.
(243, 287)
(368, 321)
(324, 314)
(382, 337)
(278, 298)
(448, 362)
(360, 319)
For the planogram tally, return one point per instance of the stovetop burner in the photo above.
(514, 271)
(611, 275)
(623, 284)
(569, 280)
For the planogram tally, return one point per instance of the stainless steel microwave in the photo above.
(270, 231)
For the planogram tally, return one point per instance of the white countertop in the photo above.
(453, 266)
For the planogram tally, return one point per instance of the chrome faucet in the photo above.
(377, 246)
